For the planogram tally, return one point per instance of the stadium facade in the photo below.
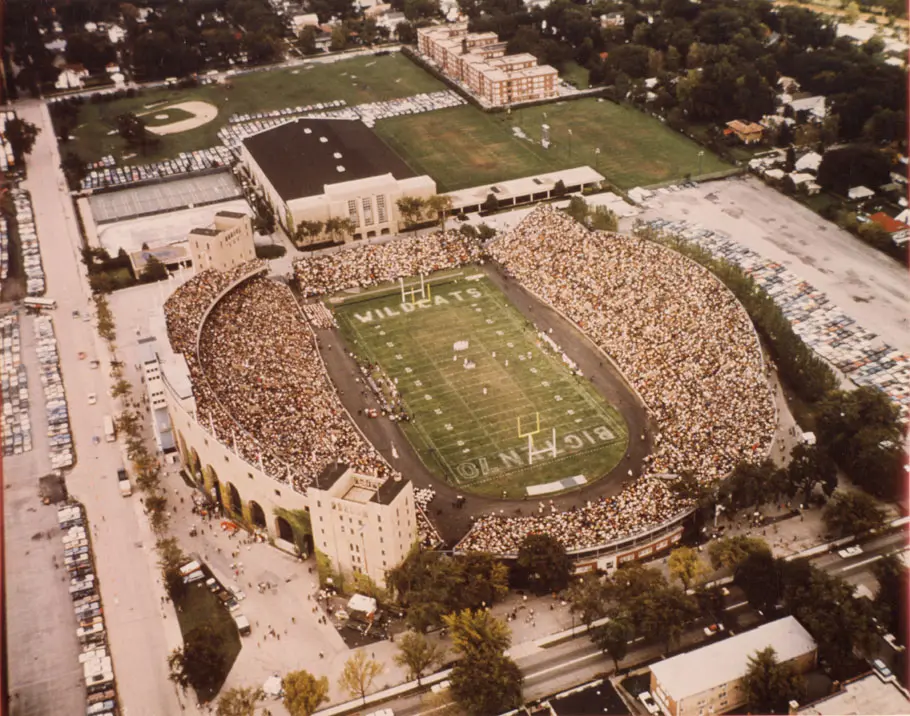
(321, 169)
(362, 522)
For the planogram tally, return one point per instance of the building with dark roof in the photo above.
(320, 169)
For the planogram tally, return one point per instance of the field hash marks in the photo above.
(501, 372)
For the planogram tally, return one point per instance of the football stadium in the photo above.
(554, 379)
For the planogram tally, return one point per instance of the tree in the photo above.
(359, 673)
(239, 701)
(491, 203)
(304, 693)
(339, 38)
(21, 136)
(440, 204)
(769, 686)
(485, 686)
(634, 579)
(811, 466)
(748, 484)
(133, 130)
(893, 589)
(589, 598)
(410, 208)
(759, 576)
(484, 580)
(662, 615)
(851, 13)
(577, 209)
(559, 188)
(544, 563)
(170, 559)
(477, 632)
(613, 638)
(730, 552)
(602, 219)
(406, 33)
(336, 228)
(200, 663)
(854, 165)
(485, 233)
(851, 513)
(74, 169)
(686, 566)
(154, 270)
(418, 654)
(306, 41)
(484, 680)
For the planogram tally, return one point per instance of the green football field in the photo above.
(468, 368)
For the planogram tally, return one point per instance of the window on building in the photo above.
(352, 211)
(380, 209)
(367, 204)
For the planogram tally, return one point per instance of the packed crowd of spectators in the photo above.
(258, 379)
(360, 266)
(682, 341)
(679, 337)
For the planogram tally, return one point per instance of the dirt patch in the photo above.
(202, 112)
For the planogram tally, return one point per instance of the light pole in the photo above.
(701, 154)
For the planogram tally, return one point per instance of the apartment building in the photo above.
(227, 243)
(478, 61)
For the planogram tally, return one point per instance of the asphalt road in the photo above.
(123, 545)
(553, 669)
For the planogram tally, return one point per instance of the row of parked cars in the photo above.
(286, 112)
(7, 158)
(4, 250)
(860, 354)
(110, 175)
(60, 438)
(28, 241)
(16, 424)
(78, 560)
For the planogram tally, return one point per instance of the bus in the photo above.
(109, 433)
(40, 304)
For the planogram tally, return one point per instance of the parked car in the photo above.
(848, 552)
(649, 703)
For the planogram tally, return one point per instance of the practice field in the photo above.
(356, 80)
(464, 147)
(468, 368)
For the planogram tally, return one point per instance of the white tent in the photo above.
(860, 192)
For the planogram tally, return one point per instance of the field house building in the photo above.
(709, 680)
(478, 61)
(318, 169)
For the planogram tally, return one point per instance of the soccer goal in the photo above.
(532, 428)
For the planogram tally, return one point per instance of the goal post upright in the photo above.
(530, 436)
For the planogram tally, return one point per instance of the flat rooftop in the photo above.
(866, 695)
(302, 157)
(719, 663)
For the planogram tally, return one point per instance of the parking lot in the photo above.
(869, 287)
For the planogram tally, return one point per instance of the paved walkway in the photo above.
(123, 547)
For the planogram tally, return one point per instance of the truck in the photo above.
(109, 433)
(123, 482)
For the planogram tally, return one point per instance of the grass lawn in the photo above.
(356, 80)
(468, 437)
(462, 146)
(575, 74)
(199, 607)
(160, 117)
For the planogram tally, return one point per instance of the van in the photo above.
(243, 624)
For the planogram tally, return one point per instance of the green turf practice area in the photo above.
(463, 147)
(356, 80)
(476, 378)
